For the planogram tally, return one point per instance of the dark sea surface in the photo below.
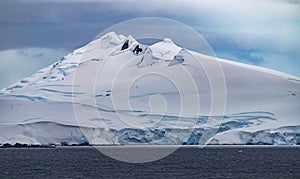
(186, 162)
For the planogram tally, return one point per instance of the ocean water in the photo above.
(186, 162)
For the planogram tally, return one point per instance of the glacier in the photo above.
(54, 106)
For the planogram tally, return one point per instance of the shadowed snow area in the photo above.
(262, 105)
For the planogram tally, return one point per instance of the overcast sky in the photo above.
(36, 33)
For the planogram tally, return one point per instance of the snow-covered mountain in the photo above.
(84, 97)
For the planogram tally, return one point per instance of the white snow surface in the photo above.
(262, 105)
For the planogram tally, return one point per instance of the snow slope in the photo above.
(262, 105)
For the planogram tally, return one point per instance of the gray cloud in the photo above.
(259, 32)
(44, 21)
(55, 25)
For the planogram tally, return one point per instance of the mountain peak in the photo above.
(168, 40)
(111, 39)
(41, 109)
